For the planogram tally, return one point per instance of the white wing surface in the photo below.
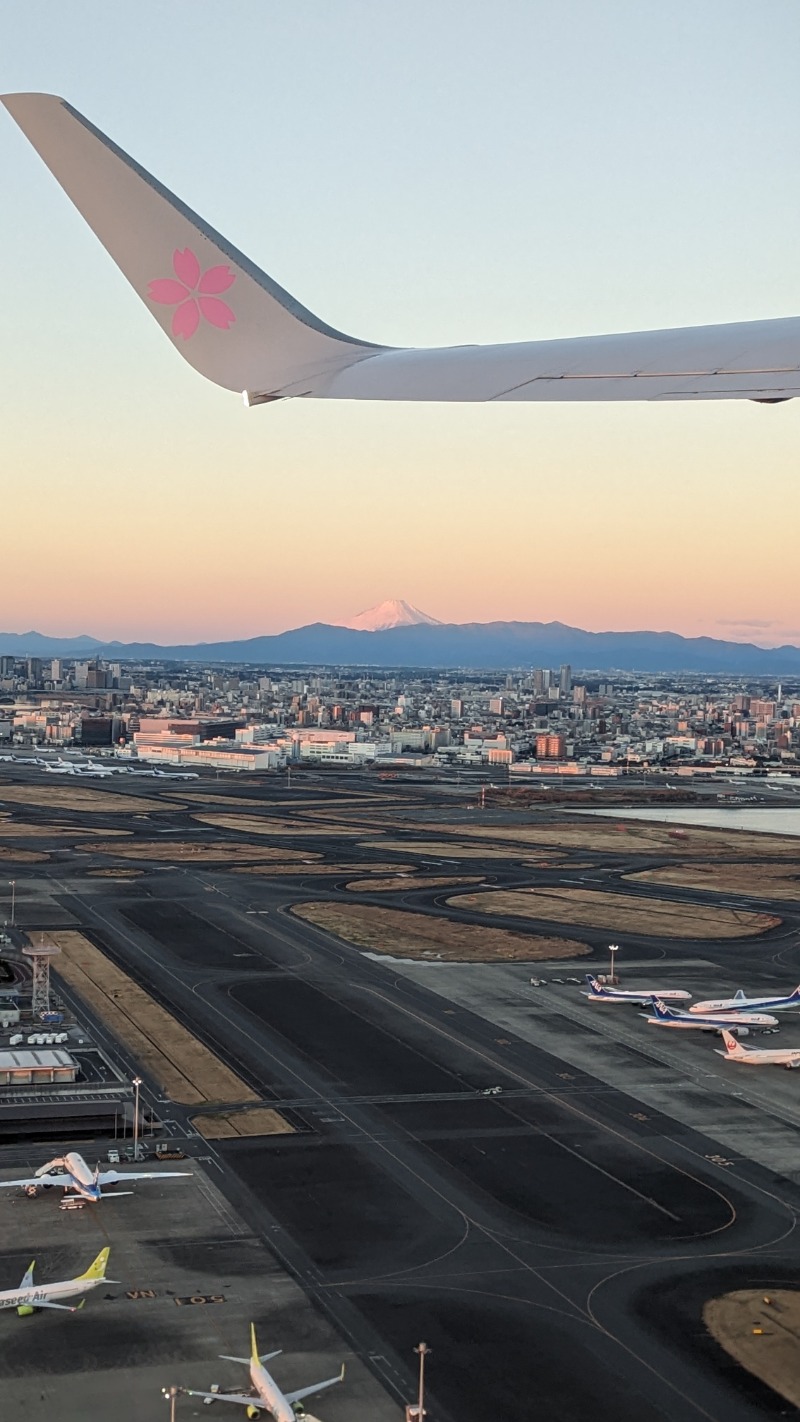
(113, 1177)
(63, 1181)
(242, 1398)
(293, 1397)
(237, 327)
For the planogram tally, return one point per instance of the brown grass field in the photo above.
(18, 829)
(771, 1354)
(10, 855)
(625, 837)
(764, 881)
(410, 935)
(117, 873)
(404, 883)
(652, 918)
(102, 802)
(190, 852)
(186, 1069)
(256, 1121)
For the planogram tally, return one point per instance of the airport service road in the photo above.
(555, 1243)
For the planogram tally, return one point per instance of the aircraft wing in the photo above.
(113, 1177)
(239, 328)
(293, 1397)
(244, 1401)
(63, 1181)
(44, 1303)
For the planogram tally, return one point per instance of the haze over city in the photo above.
(561, 170)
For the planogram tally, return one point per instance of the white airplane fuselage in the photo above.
(47, 1293)
(748, 1004)
(270, 1394)
(712, 1022)
(78, 1176)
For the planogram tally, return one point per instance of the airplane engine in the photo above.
(252, 1412)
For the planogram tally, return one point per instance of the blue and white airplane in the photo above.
(75, 1176)
(664, 1016)
(643, 997)
(741, 1003)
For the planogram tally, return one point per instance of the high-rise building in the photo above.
(496, 706)
(565, 679)
(55, 669)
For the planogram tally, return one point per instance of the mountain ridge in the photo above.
(471, 645)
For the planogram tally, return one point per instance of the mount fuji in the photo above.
(394, 612)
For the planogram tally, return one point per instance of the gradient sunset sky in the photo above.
(431, 173)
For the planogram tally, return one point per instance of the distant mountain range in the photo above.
(471, 645)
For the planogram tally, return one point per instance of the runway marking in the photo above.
(520, 1076)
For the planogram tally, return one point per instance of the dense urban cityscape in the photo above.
(541, 722)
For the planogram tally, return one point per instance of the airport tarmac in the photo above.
(554, 1243)
(190, 1278)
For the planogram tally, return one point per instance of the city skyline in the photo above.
(513, 198)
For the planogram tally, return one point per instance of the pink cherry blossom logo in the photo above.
(194, 294)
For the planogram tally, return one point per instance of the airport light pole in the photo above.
(613, 949)
(422, 1352)
(170, 1393)
(13, 884)
(137, 1082)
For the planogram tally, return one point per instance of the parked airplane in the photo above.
(76, 1175)
(260, 341)
(29, 1296)
(740, 1003)
(664, 1016)
(266, 1395)
(645, 997)
(788, 1057)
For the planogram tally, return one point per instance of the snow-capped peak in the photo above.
(395, 612)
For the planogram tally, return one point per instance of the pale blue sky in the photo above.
(426, 173)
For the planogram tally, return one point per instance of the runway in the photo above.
(554, 1243)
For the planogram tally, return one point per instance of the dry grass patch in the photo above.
(10, 855)
(190, 852)
(411, 935)
(767, 881)
(252, 824)
(627, 837)
(653, 918)
(770, 1355)
(403, 883)
(14, 829)
(427, 848)
(92, 801)
(257, 1121)
(119, 873)
(186, 1069)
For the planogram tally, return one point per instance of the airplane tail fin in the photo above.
(593, 983)
(224, 315)
(27, 1278)
(733, 1046)
(97, 1268)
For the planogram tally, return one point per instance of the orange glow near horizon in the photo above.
(210, 522)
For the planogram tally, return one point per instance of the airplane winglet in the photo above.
(225, 316)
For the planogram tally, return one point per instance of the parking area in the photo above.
(188, 1280)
